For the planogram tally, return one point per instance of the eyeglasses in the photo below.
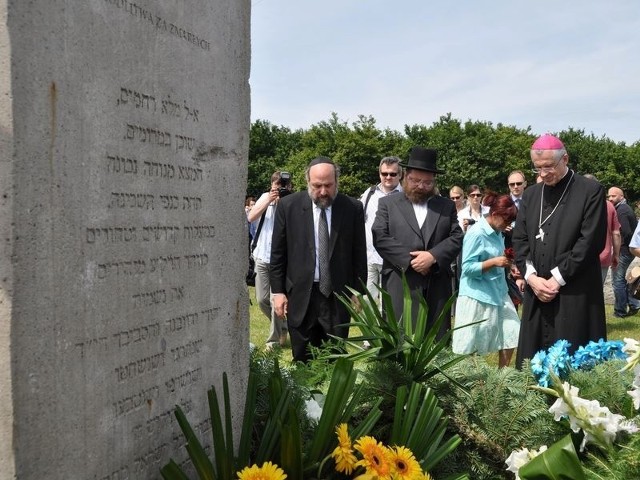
(516, 184)
(475, 194)
(455, 198)
(424, 183)
(546, 169)
(388, 174)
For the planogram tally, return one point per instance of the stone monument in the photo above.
(123, 147)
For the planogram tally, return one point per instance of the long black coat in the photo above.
(396, 233)
(293, 254)
(573, 239)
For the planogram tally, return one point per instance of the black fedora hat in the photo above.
(422, 159)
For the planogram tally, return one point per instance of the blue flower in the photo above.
(594, 353)
(555, 360)
(558, 360)
(539, 368)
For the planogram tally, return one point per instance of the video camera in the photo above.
(284, 184)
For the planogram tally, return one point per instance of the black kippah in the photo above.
(319, 160)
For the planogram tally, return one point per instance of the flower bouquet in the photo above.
(596, 424)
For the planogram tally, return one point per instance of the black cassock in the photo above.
(572, 238)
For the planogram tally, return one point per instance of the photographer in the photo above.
(474, 210)
(264, 212)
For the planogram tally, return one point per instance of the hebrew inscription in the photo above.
(127, 126)
(148, 253)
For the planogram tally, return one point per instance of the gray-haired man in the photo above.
(390, 173)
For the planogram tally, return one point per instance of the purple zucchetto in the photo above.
(547, 142)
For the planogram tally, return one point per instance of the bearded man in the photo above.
(417, 235)
(318, 250)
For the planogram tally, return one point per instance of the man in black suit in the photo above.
(304, 287)
(417, 234)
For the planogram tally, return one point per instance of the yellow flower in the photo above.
(342, 431)
(423, 476)
(343, 454)
(375, 457)
(405, 465)
(268, 471)
(366, 476)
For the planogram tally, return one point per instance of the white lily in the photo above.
(519, 458)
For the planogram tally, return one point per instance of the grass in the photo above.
(617, 328)
(259, 327)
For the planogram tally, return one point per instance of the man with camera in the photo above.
(264, 210)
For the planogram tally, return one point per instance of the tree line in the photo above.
(471, 152)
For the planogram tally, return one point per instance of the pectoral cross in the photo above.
(540, 235)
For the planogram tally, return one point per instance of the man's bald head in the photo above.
(615, 195)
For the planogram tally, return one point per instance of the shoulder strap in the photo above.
(366, 202)
(255, 237)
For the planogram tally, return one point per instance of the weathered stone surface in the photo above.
(123, 145)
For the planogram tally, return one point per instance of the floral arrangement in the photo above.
(597, 423)
(377, 460)
(557, 361)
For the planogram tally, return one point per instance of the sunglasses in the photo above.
(388, 174)
(455, 198)
(475, 194)
(516, 184)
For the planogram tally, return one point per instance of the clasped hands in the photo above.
(545, 289)
(422, 261)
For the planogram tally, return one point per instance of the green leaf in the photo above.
(419, 425)
(217, 432)
(228, 462)
(247, 421)
(272, 431)
(198, 456)
(559, 462)
(416, 348)
(291, 447)
(342, 383)
(172, 471)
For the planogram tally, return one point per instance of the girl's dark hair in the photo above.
(500, 205)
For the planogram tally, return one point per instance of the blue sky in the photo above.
(545, 64)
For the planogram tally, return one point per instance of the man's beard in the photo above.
(418, 196)
(323, 202)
